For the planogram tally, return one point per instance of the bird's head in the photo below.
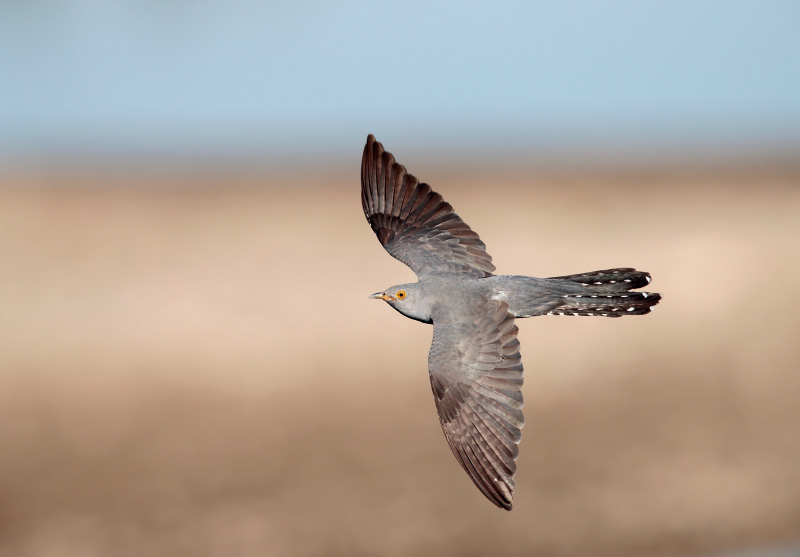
(408, 299)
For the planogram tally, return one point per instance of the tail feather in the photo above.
(612, 280)
(607, 305)
(607, 294)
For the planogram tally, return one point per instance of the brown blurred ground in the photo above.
(190, 366)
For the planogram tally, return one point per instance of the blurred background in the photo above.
(189, 364)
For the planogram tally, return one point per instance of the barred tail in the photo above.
(612, 280)
(606, 293)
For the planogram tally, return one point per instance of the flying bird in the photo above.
(474, 362)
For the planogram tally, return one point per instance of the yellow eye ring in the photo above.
(400, 294)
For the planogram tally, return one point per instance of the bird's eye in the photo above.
(400, 294)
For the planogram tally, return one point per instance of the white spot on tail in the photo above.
(612, 281)
(598, 283)
(631, 309)
(648, 279)
(627, 280)
(501, 295)
(644, 294)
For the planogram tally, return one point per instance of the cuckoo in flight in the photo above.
(474, 363)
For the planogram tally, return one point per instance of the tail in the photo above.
(607, 294)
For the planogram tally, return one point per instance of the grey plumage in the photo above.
(474, 362)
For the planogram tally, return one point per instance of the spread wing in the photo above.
(476, 375)
(414, 223)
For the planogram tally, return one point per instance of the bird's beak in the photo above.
(380, 296)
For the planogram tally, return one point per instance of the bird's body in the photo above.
(474, 362)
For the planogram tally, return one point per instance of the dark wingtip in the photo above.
(372, 146)
(505, 497)
(501, 499)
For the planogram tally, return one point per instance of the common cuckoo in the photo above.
(474, 362)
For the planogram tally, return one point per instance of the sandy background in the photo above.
(189, 365)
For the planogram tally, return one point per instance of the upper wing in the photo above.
(414, 223)
(476, 375)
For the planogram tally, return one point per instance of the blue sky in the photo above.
(274, 80)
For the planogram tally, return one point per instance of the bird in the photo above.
(474, 362)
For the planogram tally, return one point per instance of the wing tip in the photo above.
(369, 149)
(502, 497)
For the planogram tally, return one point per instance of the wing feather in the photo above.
(413, 223)
(476, 376)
